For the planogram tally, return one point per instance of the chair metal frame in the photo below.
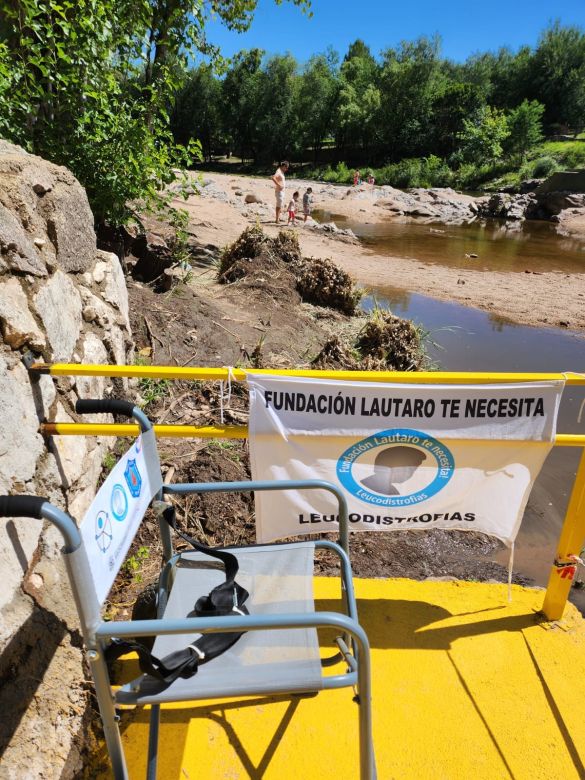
(353, 644)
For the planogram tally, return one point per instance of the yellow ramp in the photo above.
(465, 685)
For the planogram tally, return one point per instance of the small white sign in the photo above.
(112, 520)
(406, 456)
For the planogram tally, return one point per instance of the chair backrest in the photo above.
(114, 516)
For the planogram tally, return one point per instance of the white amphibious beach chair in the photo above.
(253, 636)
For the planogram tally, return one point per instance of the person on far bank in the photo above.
(279, 184)
(308, 203)
(292, 209)
(357, 179)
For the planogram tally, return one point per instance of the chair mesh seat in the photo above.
(279, 579)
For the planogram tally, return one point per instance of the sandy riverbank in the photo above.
(543, 299)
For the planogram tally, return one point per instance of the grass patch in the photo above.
(151, 390)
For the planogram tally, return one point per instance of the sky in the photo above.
(464, 26)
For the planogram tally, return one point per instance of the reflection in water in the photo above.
(465, 339)
(532, 246)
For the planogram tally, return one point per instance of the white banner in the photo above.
(112, 520)
(406, 456)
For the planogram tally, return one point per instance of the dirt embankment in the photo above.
(219, 214)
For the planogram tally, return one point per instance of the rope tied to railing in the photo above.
(225, 397)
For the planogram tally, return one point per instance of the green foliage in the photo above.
(525, 127)
(87, 84)
(69, 99)
(339, 175)
(408, 103)
(134, 563)
(125, 157)
(557, 77)
(151, 390)
(231, 448)
(482, 136)
(316, 102)
(416, 172)
(109, 461)
(359, 99)
(543, 167)
(197, 110)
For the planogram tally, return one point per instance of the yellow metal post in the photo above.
(571, 542)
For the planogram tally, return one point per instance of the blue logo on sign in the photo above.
(133, 478)
(398, 454)
(119, 503)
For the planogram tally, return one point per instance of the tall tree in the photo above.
(317, 100)
(240, 96)
(411, 79)
(359, 99)
(278, 123)
(457, 102)
(482, 136)
(525, 127)
(196, 112)
(558, 76)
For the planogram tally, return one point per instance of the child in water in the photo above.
(292, 208)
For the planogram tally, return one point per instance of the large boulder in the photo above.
(45, 218)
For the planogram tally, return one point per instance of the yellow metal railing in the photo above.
(572, 538)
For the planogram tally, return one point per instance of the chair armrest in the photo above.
(236, 623)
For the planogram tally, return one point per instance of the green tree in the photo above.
(503, 77)
(197, 111)
(88, 84)
(525, 127)
(482, 136)
(240, 90)
(558, 76)
(359, 99)
(317, 98)
(457, 102)
(412, 78)
(278, 121)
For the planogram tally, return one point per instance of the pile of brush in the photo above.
(320, 282)
(241, 258)
(323, 283)
(385, 343)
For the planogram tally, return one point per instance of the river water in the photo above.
(534, 246)
(466, 339)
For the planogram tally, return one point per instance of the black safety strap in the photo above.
(225, 599)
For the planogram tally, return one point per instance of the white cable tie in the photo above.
(577, 559)
(239, 611)
(197, 651)
(221, 401)
(229, 386)
(225, 397)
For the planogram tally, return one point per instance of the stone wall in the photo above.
(66, 302)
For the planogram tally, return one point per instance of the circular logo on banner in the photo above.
(119, 503)
(103, 531)
(396, 468)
